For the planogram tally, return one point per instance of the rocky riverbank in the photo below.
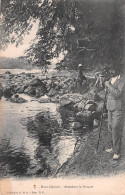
(86, 104)
(87, 101)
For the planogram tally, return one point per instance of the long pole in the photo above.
(100, 128)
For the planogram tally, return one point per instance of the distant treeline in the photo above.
(13, 63)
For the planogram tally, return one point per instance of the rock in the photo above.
(7, 72)
(16, 88)
(30, 91)
(80, 106)
(74, 97)
(8, 92)
(52, 92)
(39, 86)
(90, 107)
(65, 86)
(55, 99)
(28, 74)
(36, 82)
(85, 116)
(18, 100)
(89, 102)
(1, 90)
(76, 125)
(44, 99)
(39, 92)
(64, 101)
(16, 95)
(22, 89)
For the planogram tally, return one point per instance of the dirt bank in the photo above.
(87, 161)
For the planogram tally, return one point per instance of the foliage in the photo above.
(61, 24)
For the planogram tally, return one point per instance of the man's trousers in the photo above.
(115, 126)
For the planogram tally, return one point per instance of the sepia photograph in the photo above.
(62, 97)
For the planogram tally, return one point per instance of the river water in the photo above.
(23, 153)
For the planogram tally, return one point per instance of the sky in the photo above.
(13, 52)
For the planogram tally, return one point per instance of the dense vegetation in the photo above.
(84, 31)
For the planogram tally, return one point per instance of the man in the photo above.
(81, 76)
(115, 105)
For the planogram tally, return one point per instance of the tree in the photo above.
(61, 24)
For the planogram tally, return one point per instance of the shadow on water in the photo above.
(13, 161)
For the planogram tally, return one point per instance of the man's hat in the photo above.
(79, 65)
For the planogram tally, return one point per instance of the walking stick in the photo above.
(100, 128)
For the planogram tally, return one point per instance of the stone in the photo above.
(80, 106)
(90, 102)
(55, 99)
(64, 101)
(84, 116)
(30, 91)
(90, 107)
(52, 92)
(22, 89)
(44, 99)
(39, 92)
(7, 72)
(36, 82)
(8, 92)
(76, 125)
(18, 100)
(74, 97)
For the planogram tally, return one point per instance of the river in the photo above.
(23, 153)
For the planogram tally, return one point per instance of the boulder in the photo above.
(18, 100)
(89, 102)
(90, 107)
(39, 92)
(52, 92)
(80, 106)
(30, 91)
(64, 101)
(8, 92)
(1, 90)
(44, 99)
(36, 82)
(85, 116)
(55, 99)
(74, 97)
(28, 74)
(22, 89)
(7, 72)
(76, 125)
